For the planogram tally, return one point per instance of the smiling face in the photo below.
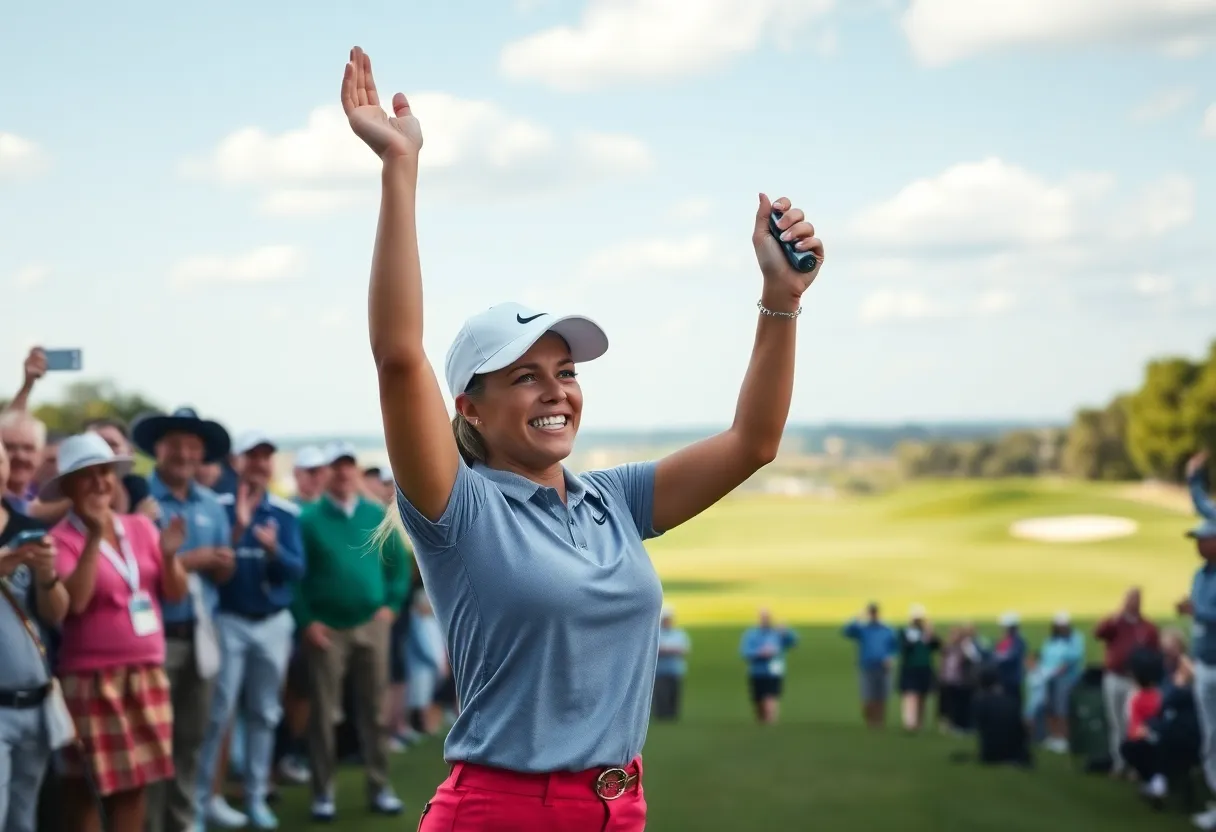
(90, 489)
(528, 414)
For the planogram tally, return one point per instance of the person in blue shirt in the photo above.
(181, 443)
(1201, 607)
(539, 576)
(674, 646)
(763, 647)
(877, 646)
(255, 629)
(1061, 663)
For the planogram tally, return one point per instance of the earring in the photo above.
(474, 422)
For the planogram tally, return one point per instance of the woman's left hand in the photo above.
(783, 284)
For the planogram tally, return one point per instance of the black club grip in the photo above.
(802, 261)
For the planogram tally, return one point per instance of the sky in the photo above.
(1013, 197)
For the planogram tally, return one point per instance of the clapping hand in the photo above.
(783, 284)
(399, 136)
(267, 536)
(172, 537)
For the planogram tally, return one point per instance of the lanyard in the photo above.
(126, 566)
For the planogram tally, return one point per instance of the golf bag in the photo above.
(1088, 731)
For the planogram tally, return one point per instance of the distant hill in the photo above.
(853, 438)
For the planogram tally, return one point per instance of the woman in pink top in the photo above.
(117, 568)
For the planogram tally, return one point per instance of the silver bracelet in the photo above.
(764, 310)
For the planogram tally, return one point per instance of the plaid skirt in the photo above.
(124, 718)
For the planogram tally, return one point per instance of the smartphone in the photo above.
(60, 360)
(26, 537)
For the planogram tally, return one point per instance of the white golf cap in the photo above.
(76, 453)
(340, 450)
(497, 337)
(310, 456)
(1010, 619)
(1061, 618)
(251, 439)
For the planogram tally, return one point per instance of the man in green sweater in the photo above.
(345, 609)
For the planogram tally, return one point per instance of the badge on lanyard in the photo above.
(143, 615)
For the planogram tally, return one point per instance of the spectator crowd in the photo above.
(1147, 713)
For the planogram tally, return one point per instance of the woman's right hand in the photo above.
(94, 519)
(389, 138)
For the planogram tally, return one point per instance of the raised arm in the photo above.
(421, 446)
(694, 478)
(1194, 480)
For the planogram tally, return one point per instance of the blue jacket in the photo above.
(757, 639)
(261, 585)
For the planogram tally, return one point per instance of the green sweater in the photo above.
(345, 581)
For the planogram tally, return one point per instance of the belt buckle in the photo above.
(612, 783)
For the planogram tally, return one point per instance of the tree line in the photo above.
(1145, 434)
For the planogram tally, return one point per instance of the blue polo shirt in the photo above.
(673, 638)
(759, 640)
(876, 642)
(206, 525)
(551, 615)
(1203, 587)
(261, 585)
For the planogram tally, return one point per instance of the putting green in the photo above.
(947, 545)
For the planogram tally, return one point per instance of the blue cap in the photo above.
(498, 337)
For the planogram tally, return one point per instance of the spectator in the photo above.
(877, 646)
(674, 645)
(180, 444)
(34, 598)
(763, 648)
(426, 664)
(917, 644)
(1122, 633)
(1139, 747)
(1009, 655)
(960, 667)
(311, 473)
(117, 570)
(23, 437)
(346, 605)
(1201, 607)
(1062, 660)
(254, 626)
(134, 497)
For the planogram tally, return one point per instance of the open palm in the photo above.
(400, 135)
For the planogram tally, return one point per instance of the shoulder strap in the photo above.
(25, 619)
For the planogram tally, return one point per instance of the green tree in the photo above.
(1095, 447)
(87, 400)
(1160, 433)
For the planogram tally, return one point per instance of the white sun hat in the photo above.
(76, 453)
(497, 337)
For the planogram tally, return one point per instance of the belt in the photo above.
(605, 783)
(183, 630)
(253, 617)
(19, 699)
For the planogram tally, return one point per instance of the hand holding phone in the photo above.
(61, 360)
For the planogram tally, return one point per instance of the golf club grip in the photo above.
(803, 261)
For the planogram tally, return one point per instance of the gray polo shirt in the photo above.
(551, 614)
(21, 664)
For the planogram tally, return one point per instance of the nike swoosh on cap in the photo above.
(524, 320)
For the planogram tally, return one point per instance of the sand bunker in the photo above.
(1080, 528)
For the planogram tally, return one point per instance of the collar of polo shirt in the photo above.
(521, 489)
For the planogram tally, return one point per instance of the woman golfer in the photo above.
(547, 598)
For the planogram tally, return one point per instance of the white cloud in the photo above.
(265, 264)
(1163, 103)
(468, 144)
(31, 275)
(1208, 129)
(20, 157)
(632, 40)
(883, 305)
(1152, 284)
(642, 257)
(944, 31)
(991, 206)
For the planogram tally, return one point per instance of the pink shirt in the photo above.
(103, 636)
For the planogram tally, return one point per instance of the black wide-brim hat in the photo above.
(152, 427)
